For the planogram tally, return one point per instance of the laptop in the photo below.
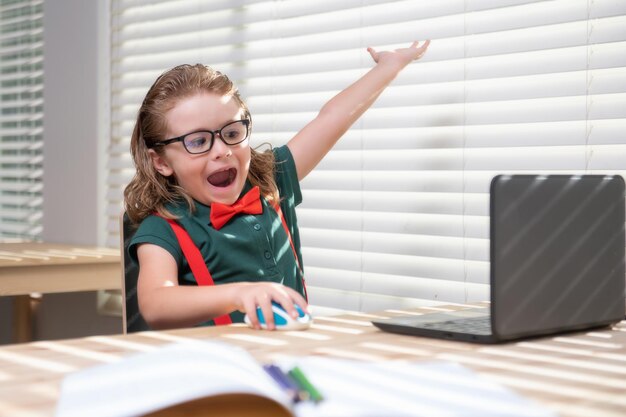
(557, 262)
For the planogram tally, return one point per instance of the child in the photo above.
(194, 165)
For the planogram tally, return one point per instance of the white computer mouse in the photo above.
(282, 319)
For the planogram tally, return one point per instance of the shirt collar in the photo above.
(181, 208)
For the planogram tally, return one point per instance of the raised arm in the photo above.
(314, 141)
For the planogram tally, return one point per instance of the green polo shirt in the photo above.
(249, 248)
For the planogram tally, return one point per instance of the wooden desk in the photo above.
(580, 374)
(35, 267)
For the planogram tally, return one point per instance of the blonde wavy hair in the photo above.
(149, 191)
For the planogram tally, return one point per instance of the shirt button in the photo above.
(257, 227)
(267, 254)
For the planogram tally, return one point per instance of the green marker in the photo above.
(305, 385)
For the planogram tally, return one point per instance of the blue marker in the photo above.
(284, 381)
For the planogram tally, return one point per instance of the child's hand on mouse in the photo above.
(400, 57)
(261, 295)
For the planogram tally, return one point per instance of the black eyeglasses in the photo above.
(202, 140)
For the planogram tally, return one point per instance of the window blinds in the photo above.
(21, 103)
(397, 214)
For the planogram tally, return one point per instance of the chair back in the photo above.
(132, 318)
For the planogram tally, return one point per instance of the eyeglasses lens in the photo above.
(231, 134)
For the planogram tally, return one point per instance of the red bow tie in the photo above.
(249, 204)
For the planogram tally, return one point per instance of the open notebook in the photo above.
(557, 262)
(213, 378)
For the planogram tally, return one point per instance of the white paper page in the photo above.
(186, 371)
(170, 375)
(431, 389)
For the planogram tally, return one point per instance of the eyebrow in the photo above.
(203, 129)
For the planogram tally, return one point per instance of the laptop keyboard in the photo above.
(477, 325)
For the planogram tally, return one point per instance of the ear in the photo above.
(160, 164)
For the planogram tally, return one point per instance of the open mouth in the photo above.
(223, 178)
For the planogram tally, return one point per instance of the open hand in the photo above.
(402, 56)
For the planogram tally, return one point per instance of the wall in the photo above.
(75, 65)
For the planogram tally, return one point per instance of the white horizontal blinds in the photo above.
(149, 37)
(398, 212)
(21, 115)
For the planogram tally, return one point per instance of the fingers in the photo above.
(289, 299)
(262, 296)
(415, 44)
(423, 47)
(249, 307)
(419, 51)
(373, 54)
(254, 297)
(262, 300)
(268, 314)
(413, 52)
(301, 302)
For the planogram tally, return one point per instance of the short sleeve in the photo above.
(157, 231)
(287, 176)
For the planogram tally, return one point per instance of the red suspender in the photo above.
(196, 263)
(201, 271)
(293, 248)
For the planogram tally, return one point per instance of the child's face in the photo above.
(218, 175)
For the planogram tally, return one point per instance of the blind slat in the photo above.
(21, 83)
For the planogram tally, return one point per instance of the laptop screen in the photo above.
(557, 252)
